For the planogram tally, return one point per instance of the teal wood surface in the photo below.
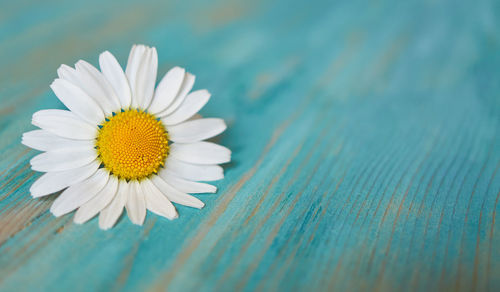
(365, 139)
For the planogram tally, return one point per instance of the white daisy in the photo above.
(124, 144)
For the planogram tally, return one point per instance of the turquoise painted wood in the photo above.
(365, 139)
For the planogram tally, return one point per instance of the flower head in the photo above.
(124, 144)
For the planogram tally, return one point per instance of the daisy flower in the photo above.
(124, 144)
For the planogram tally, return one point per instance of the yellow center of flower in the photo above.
(132, 144)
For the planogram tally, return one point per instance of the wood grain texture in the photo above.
(365, 139)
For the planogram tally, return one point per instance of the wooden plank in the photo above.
(364, 136)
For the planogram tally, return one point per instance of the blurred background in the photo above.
(364, 136)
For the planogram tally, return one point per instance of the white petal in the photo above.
(68, 73)
(131, 71)
(74, 98)
(196, 130)
(186, 87)
(193, 172)
(64, 159)
(78, 194)
(113, 210)
(156, 202)
(93, 82)
(200, 153)
(147, 77)
(175, 195)
(52, 182)
(186, 186)
(167, 90)
(136, 204)
(98, 202)
(45, 141)
(134, 60)
(64, 123)
(116, 77)
(141, 72)
(191, 105)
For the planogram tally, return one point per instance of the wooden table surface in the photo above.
(364, 135)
